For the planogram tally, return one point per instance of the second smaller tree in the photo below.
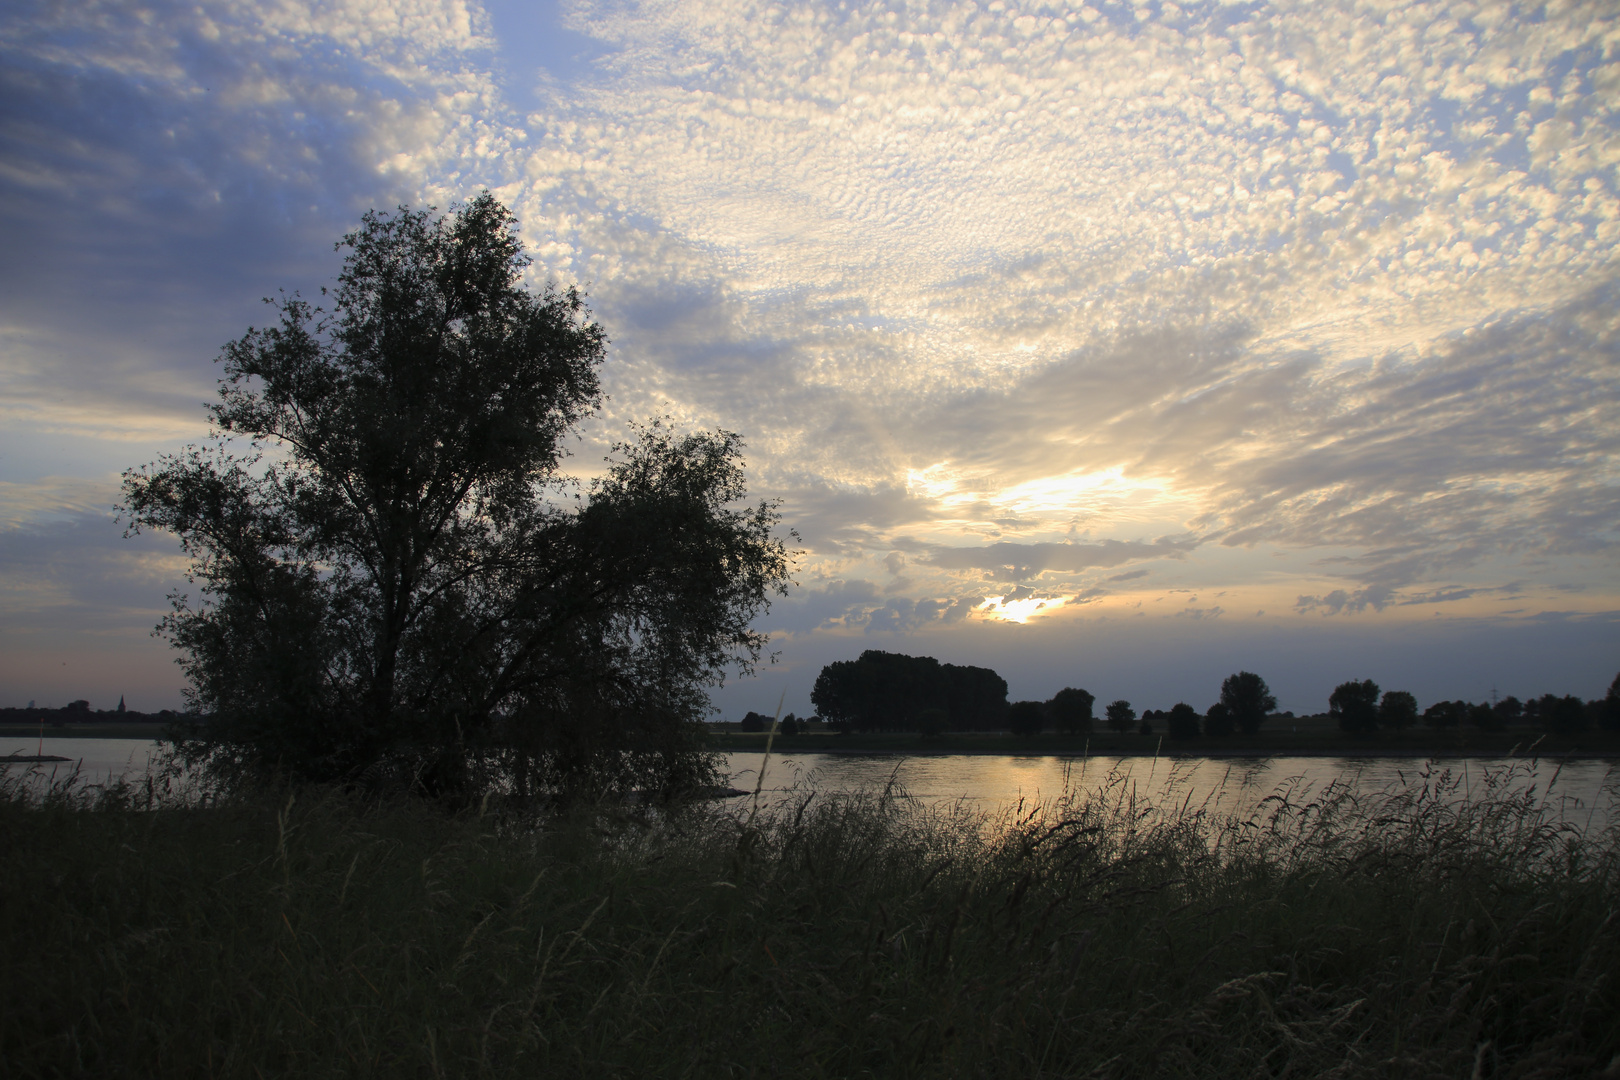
(1120, 715)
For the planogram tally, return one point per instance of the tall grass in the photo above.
(1411, 932)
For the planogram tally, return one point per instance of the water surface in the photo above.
(1581, 791)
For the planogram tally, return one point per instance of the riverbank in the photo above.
(110, 730)
(1409, 744)
(314, 935)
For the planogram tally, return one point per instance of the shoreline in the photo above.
(1218, 755)
(1589, 746)
(1603, 747)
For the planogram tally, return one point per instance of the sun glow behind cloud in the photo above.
(1019, 610)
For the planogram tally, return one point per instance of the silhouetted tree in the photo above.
(887, 691)
(932, 722)
(1070, 710)
(1564, 715)
(1509, 710)
(398, 592)
(1026, 718)
(754, 722)
(1482, 716)
(1398, 710)
(1120, 715)
(1218, 720)
(1248, 699)
(1355, 706)
(975, 697)
(1611, 707)
(1146, 727)
(789, 725)
(1445, 714)
(1182, 721)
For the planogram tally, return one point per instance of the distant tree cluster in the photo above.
(756, 722)
(884, 691)
(1358, 709)
(892, 692)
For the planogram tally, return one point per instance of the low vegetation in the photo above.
(1412, 932)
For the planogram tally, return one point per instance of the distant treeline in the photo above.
(882, 691)
(80, 712)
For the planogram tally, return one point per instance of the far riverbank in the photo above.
(1318, 742)
(1470, 744)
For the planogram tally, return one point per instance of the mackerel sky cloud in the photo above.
(1113, 345)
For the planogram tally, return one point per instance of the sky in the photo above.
(1120, 346)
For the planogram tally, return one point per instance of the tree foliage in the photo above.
(1445, 714)
(1563, 715)
(1397, 710)
(1355, 705)
(394, 585)
(883, 691)
(1218, 721)
(1026, 718)
(1248, 699)
(1181, 722)
(1120, 715)
(1070, 710)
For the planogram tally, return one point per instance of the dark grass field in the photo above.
(1407, 934)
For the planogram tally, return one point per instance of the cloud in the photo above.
(1337, 601)
(77, 571)
(1325, 300)
(1018, 561)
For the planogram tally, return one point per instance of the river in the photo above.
(1586, 792)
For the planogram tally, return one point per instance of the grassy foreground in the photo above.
(1402, 935)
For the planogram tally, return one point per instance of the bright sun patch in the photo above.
(1022, 610)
